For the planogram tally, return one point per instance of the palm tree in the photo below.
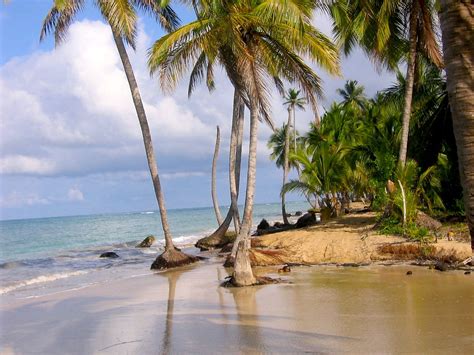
(255, 42)
(457, 32)
(213, 178)
(294, 101)
(353, 95)
(391, 30)
(122, 18)
(279, 142)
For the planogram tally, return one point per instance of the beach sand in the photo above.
(349, 239)
(324, 309)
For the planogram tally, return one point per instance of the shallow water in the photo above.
(37, 252)
(323, 310)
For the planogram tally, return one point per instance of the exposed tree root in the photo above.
(172, 258)
(260, 257)
(260, 280)
(216, 240)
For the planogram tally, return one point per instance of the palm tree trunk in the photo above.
(213, 179)
(235, 156)
(243, 275)
(286, 154)
(410, 78)
(294, 125)
(171, 257)
(217, 238)
(457, 25)
(150, 154)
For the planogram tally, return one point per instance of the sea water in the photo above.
(35, 253)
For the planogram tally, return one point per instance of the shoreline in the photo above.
(338, 303)
(319, 309)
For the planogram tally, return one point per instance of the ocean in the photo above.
(47, 255)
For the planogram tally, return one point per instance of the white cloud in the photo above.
(20, 164)
(15, 199)
(74, 194)
(69, 111)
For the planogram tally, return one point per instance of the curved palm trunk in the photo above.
(235, 156)
(243, 275)
(213, 179)
(286, 152)
(410, 78)
(457, 25)
(217, 238)
(150, 154)
(171, 257)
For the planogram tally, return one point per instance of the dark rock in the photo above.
(278, 224)
(215, 241)
(271, 230)
(288, 214)
(298, 213)
(147, 242)
(467, 273)
(285, 268)
(409, 272)
(109, 254)
(440, 266)
(308, 219)
(263, 225)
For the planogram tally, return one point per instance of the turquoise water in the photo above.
(34, 251)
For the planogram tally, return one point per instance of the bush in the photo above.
(393, 225)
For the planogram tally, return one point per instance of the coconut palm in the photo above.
(257, 42)
(353, 95)
(391, 31)
(294, 101)
(279, 143)
(457, 25)
(121, 15)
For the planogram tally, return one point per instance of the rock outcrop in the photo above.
(109, 254)
(147, 242)
(306, 220)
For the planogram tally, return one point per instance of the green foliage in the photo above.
(393, 226)
(276, 144)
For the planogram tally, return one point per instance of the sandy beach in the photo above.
(349, 239)
(322, 309)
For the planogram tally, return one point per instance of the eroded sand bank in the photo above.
(325, 309)
(350, 239)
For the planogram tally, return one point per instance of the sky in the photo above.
(70, 142)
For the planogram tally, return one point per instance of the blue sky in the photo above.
(70, 142)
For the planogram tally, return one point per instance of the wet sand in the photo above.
(324, 309)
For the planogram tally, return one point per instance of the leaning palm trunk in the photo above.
(217, 238)
(235, 156)
(213, 178)
(457, 25)
(243, 275)
(171, 257)
(410, 78)
(286, 166)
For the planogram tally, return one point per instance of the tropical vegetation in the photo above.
(359, 148)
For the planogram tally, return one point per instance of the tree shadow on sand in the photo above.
(233, 328)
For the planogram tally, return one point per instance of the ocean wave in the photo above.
(40, 279)
(147, 212)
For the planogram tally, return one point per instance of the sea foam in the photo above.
(40, 279)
